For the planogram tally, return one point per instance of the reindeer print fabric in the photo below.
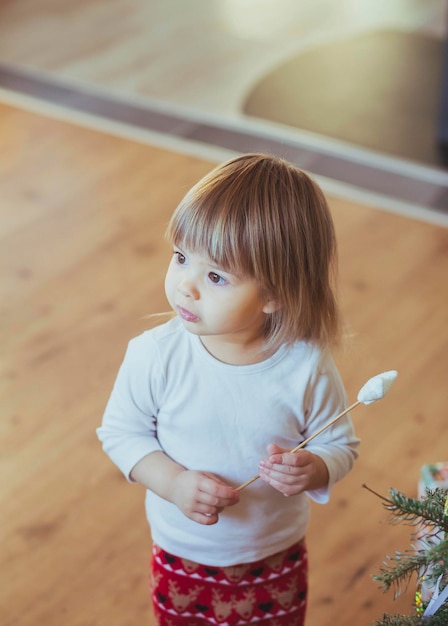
(270, 592)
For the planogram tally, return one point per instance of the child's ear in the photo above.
(271, 306)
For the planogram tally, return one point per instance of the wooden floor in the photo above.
(82, 261)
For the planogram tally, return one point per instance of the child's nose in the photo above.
(188, 288)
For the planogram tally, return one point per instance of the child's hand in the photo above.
(202, 496)
(293, 473)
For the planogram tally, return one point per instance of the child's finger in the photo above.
(301, 458)
(217, 493)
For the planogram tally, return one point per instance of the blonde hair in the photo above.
(260, 217)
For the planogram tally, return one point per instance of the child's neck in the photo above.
(235, 353)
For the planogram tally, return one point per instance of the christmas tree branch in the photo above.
(399, 568)
(439, 619)
(429, 560)
(429, 509)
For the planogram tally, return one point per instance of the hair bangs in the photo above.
(215, 229)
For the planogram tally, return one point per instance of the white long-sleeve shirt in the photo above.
(172, 395)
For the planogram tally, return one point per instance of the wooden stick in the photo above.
(306, 441)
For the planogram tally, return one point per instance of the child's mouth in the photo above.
(186, 315)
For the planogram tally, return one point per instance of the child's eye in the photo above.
(180, 258)
(216, 278)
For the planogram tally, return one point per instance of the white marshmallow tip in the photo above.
(377, 387)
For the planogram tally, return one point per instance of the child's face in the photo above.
(214, 303)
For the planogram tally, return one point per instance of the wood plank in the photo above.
(82, 261)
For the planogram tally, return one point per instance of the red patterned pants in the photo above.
(269, 592)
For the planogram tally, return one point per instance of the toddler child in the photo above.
(240, 375)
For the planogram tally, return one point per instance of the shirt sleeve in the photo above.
(129, 427)
(337, 445)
